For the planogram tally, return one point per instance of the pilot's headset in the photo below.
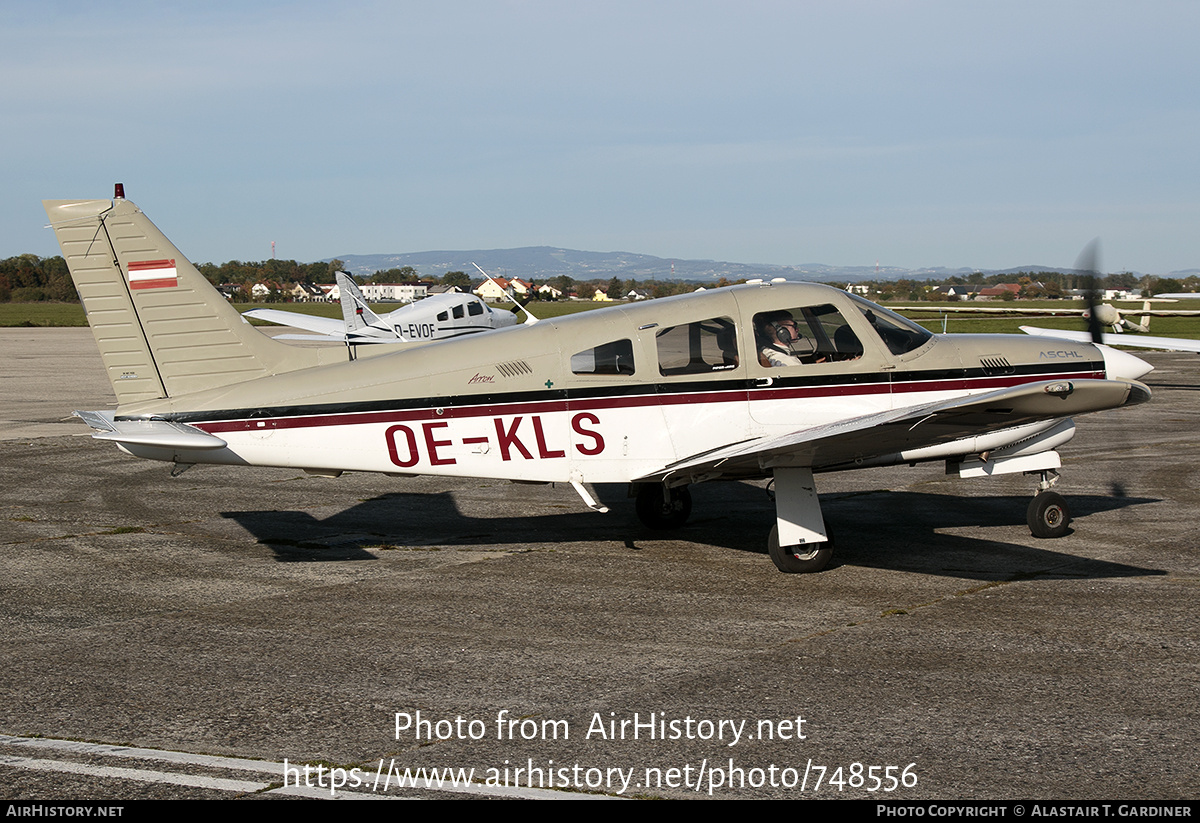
(780, 334)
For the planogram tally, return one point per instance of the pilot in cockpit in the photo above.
(777, 336)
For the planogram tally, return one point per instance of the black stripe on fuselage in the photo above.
(658, 393)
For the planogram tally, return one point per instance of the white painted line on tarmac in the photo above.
(143, 775)
(241, 764)
(268, 767)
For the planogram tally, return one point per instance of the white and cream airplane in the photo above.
(765, 380)
(433, 318)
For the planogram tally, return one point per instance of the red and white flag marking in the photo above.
(153, 274)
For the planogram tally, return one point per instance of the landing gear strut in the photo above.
(662, 508)
(1048, 515)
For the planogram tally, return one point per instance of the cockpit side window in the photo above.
(609, 358)
(804, 335)
(697, 348)
(474, 309)
(899, 334)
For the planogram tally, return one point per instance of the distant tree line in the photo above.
(28, 278)
(1035, 285)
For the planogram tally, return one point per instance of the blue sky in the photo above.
(915, 133)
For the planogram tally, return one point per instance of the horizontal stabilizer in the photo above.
(308, 322)
(161, 433)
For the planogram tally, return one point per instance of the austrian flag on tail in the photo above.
(153, 274)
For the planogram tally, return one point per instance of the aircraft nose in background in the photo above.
(1123, 364)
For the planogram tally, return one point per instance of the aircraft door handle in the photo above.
(763, 382)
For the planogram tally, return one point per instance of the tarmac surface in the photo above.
(261, 614)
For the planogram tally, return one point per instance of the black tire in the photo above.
(663, 512)
(1048, 515)
(803, 559)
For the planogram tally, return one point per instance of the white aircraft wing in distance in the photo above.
(1141, 341)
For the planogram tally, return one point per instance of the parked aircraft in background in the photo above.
(1107, 315)
(1141, 341)
(432, 318)
(1124, 331)
(769, 380)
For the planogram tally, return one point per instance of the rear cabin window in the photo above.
(610, 358)
(698, 348)
(458, 312)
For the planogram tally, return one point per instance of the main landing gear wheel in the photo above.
(802, 559)
(1048, 515)
(663, 511)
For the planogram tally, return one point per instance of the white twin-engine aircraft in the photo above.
(769, 380)
(434, 318)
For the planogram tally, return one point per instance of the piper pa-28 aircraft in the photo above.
(433, 318)
(767, 380)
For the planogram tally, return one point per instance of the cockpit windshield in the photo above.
(899, 334)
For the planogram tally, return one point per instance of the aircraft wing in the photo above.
(1142, 341)
(843, 443)
(1072, 309)
(338, 338)
(308, 322)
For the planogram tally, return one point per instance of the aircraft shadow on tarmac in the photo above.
(894, 530)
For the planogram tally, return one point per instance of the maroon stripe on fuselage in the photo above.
(753, 394)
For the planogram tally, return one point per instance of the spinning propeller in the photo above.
(1089, 263)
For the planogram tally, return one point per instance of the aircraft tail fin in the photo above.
(162, 328)
(355, 311)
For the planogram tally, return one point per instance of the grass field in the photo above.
(71, 314)
(42, 314)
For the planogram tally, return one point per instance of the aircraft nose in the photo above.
(1123, 364)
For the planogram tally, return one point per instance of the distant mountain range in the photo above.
(540, 263)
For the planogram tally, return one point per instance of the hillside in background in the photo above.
(540, 263)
